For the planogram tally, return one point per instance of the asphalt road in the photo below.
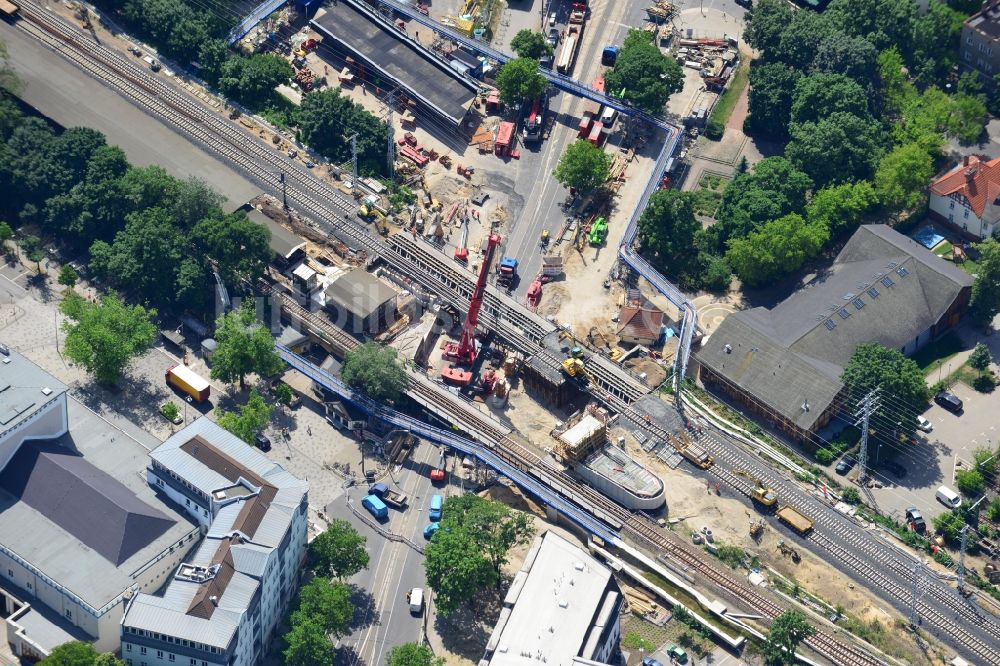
(383, 619)
(58, 89)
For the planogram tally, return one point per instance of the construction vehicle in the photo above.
(764, 496)
(797, 521)
(534, 295)
(507, 272)
(534, 122)
(591, 109)
(571, 44)
(692, 452)
(186, 380)
(756, 527)
(8, 10)
(787, 551)
(462, 249)
(545, 238)
(464, 351)
(387, 495)
(574, 368)
(598, 231)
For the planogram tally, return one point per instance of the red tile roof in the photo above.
(640, 323)
(976, 180)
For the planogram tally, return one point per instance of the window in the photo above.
(29, 585)
(873, 292)
(965, 213)
(951, 204)
(128, 662)
(172, 656)
(69, 613)
(159, 654)
(887, 281)
(858, 303)
(844, 314)
(829, 324)
(187, 502)
(194, 662)
(902, 272)
(142, 650)
(128, 647)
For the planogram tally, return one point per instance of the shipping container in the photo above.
(187, 381)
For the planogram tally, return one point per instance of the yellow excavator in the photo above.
(764, 496)
(574, 368)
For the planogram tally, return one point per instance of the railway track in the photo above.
(524, 330)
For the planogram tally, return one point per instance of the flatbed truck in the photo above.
(797, 521)
(389, 496)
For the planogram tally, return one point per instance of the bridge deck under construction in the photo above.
(397, 59)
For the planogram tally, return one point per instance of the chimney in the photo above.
(214, 599)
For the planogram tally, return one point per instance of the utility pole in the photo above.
(917, 592)
(390, 145)
(867, 408)
(284, 190)
(961, 560)
(354, 157)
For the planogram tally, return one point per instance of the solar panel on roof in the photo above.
(858, 303)
(829, 324)
(873, 292)
(844, 314)
(902, 272)
(887, 281)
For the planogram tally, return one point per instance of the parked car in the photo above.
(924, 424)
(263, 443)
(430, 529)
(649, 661)
(748, 4)
(948, 497)
(677, 654)
(916, 519)
(894, 468)
(949, 401)
(553, 37)
(845, 465)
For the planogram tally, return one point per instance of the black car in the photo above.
(745, 3)
(949, 401)
(263, 443)
(845, 465)
(553, 37)
(895, 468)
(915, 518)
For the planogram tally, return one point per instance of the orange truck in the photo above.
(186, 380)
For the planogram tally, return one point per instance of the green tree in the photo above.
(244, 346)
(519, 80)
(73, 653)
(6, 233)
(240, 248)
(31, 246)
(993, 509)
(970, 482)
(787, 631)
(876, 367)
(252, 79)
(985, 460)
(8, 77)
(493, 526)
(339, 551)
(839, 148)
(583, 166)
(250, 420)
(777, 248)
(327, 120)
(840, 208)
(851, 495)
(108, 659)
(376, 370)
(457, 570)
(283, 394)
(820, 95)
(854, 57)
(212, 57)
(766, 23)
(104, 337)
(902, 177)
(412, 654)
(326, 603)
(530, 44)
(949, 525)
(985, 301)
(800, 40)
(647, 76)
(772, 89)
(308, 645)
(668, 228)
(68, 277)
(772, 189)
(980, 358)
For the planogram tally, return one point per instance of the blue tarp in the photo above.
(928, 237)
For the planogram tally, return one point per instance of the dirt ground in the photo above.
(689, 500)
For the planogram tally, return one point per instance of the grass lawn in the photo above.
(938, 352)
(708, 195)
(942, 248)
(724, 107)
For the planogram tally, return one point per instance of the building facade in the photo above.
(222, 606)
(967, 198)
(979, 49)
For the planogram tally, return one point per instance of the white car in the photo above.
(924, 424)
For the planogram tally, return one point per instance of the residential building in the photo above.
(80, 532)
(562, 608)
(784, 363)
(979, 49)
(968, 197)
(222, 605)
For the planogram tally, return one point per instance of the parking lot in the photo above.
(939, 453)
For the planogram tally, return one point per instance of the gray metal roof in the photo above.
(55, 551)
(283, 242)
(83, 500)
(359, 292)
(791, 356)
(23, 388)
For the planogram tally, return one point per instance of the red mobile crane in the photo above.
(463, 352)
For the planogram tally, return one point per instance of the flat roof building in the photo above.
(222, 605)
(562, 606)
(359, 302)
(80, 532)
(286, 246)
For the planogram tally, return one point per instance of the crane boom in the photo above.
(464, 351)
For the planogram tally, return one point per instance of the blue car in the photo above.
(431, 529)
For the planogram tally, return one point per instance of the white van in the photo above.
(416, 600)
(948, 497)
(609, 116)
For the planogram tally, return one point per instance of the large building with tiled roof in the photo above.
(968, 197)
(223, 604)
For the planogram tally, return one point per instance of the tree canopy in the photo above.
(668, 227)
(787, 631)
(252, 79)
(328, 119)
(339, 551)
(80, 653)
(902, 176)
(776, 248)
(239, 247)
(519, 80)
(104, 337)
(985, 301)
(307, 644)
(327, 603)
(583, 166)
(647, 77)
(839, 148)
(376, 370)
(530, 44)
(899, 381)
(412, 654)
(252, 417)
(244, 346)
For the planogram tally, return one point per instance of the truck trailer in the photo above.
(389, 496)
(797, 521)
(187, 381)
